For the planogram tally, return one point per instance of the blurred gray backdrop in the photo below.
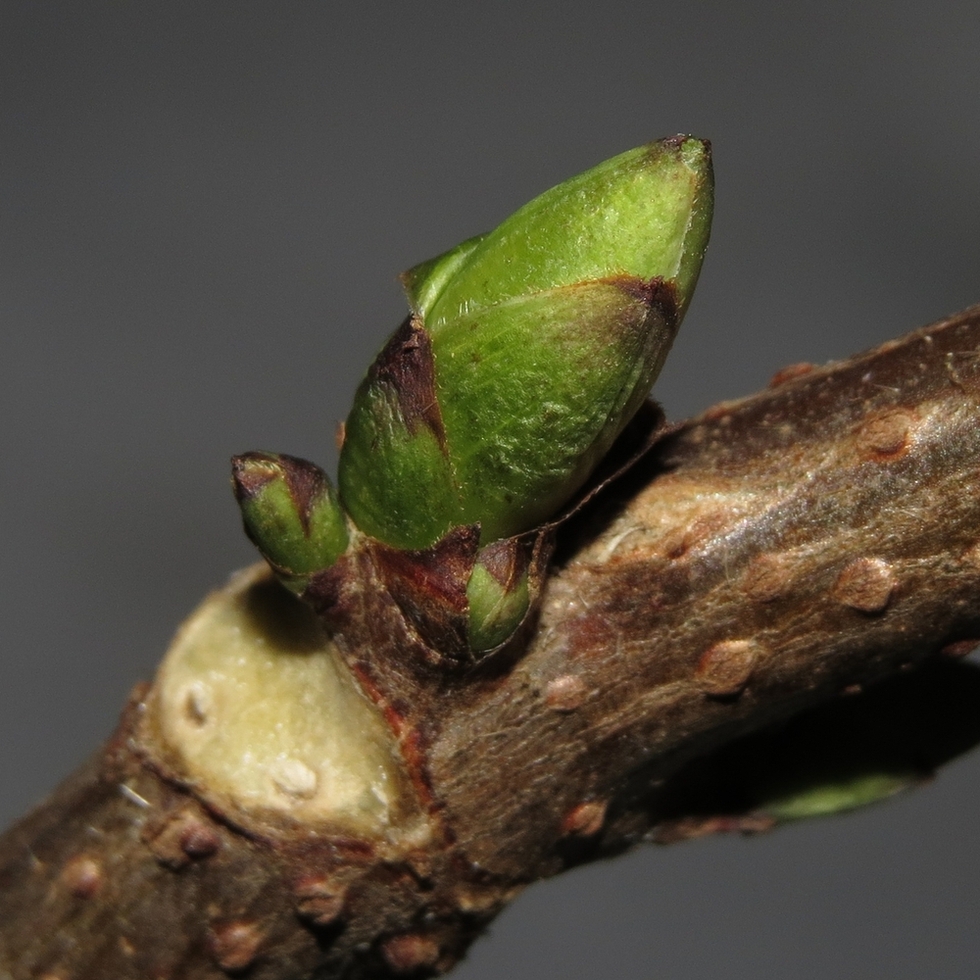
(204, 207)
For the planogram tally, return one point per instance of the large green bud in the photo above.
(527, 352)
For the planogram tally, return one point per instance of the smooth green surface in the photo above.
(644, 213)
(495, 612)
(424, 282)
(533, 393)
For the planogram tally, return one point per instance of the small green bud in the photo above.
(495, 611)
(290, 513)
(828, 798)
(529, 350)
(498, 593)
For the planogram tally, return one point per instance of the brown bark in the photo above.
(762, 558)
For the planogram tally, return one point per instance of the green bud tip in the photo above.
(529, 350)
(290, 512)
(645, 213)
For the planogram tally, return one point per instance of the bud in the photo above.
(290, 513)
(824, 799)
(498, 593)
(529, 350)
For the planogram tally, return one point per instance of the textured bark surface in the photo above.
(765, 557)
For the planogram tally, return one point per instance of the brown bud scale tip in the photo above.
(507, 559)
(306, 484)
(654, 293)
(251, 472)
(866, 584)
(725, 668)
(304, 480)
(430, 586)
(406, 369)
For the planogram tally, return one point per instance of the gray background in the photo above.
(204, 207)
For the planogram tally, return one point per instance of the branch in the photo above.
(759, 560)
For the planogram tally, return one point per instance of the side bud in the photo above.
(529, 350)
(464, 601)
(290, 513)
(499, 593)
